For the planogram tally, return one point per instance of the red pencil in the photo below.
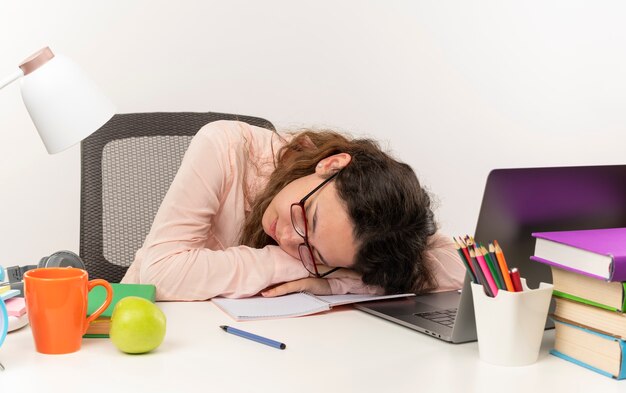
(485, 269)
(517, 281)
(466, 261)
(463, 247)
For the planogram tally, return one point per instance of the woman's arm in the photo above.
(200, 274)
(441, 256)
(343, 281)
(182, 256)
(448, 270)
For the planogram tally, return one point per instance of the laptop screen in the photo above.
(518, 202)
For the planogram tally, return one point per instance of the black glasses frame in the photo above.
(304, 249)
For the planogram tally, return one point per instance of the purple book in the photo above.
(599, 253)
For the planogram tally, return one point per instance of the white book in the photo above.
(292, 305)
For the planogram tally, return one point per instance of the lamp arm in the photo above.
(16, 75)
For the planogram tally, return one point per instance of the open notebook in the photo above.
(292, 305)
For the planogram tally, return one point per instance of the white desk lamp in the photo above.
(65, 106)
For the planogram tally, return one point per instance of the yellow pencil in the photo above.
(503, 266)
(493, 265)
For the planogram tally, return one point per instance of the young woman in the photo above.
(251, 211)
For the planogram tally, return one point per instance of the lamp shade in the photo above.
(64, 104)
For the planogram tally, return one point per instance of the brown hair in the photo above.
(390, 210)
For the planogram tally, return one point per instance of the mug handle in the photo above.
(90, 285)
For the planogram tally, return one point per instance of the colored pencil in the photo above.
(492, 267)
(467, 242)
(466, 252)
(485, 268)
(465, 261)
(480, 279)
(517, 281)
(496, 265)
(503, 266)
(480, 275)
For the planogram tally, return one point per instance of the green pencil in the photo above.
(465, 261)
(493, 267)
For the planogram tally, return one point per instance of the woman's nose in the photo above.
(290, 241)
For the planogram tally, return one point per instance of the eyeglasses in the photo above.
(301, 225)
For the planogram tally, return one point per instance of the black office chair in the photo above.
(127, 167)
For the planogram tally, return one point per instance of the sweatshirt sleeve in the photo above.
(447, 267)
(341, 286)
(174, 256)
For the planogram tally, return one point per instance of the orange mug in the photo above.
(56, 301)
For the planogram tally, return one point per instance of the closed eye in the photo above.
(313, 226)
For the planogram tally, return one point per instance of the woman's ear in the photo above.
(332, 164)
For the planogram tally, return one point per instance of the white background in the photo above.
(454, 88)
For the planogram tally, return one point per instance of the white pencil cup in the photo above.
(510, 326)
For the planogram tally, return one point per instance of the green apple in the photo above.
(137, 325)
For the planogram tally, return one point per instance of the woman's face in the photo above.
(330, 230)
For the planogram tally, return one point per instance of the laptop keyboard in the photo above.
(444, 317)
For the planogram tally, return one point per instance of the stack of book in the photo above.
(589, 277)
(100, 327)
(14, 310)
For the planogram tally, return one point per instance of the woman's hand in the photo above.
(316, 286)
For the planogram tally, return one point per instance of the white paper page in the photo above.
(295, 304)
(336, 300)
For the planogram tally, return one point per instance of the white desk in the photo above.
(341, 351)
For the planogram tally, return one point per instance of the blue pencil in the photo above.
(253, 337)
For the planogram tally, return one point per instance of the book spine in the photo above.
(583, 300)
(622, 369)
(618, 269)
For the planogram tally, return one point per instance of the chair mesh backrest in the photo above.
(127, 167)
